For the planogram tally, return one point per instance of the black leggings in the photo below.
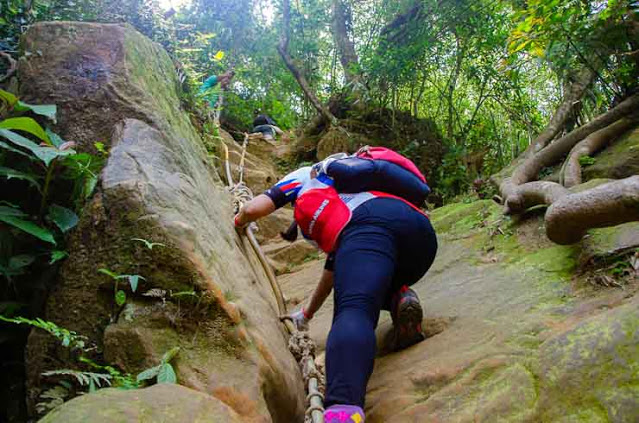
(386, 245)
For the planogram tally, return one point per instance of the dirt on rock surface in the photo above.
(515, 333)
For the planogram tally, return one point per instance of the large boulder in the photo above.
(206, 291)
(159, 403)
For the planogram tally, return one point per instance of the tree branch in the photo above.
(282, 48)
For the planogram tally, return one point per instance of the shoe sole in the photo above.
(408, 327)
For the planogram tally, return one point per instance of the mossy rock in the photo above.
(604, 242)
(591, 373)
(619, 161)
(458, 219)
(159, 403)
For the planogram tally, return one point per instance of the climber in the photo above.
(378, 245)
(263, 124)
(208, 89)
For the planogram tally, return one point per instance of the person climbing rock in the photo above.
(378, 245)
(209, 90)
(263, 124)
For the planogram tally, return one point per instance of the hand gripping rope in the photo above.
(300, 344)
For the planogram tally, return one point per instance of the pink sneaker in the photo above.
(344, 414)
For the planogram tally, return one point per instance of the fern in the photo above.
(52, 398)
(118, 379)
(69, 338)
(90, 379)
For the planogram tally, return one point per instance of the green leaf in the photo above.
(15, 150)
(168, 356)
(167, 374)
(133, 281)
(57, 255)
(29, 227)
(64, 218)
(8, 98)
(120, 298)
(46, 154)
(11, 211)
(56, 139)
(100, 147)
(9, 173)
(20, 261)
(26, 124)
(89, 185)
(148, 374)
(46, 110)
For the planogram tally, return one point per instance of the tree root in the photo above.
(571, 172)
(529, 169)
(611, 204)
(535, 194)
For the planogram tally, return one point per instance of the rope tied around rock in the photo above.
(300, 344)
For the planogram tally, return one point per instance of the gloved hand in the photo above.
(300, 319)
(237, 224)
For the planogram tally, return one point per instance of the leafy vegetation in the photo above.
(107, 376)
(163, 372)
(488, 74)
(47, 181)
(120, 295)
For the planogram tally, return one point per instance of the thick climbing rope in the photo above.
(300, 344)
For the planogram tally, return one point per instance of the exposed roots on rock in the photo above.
(571, 172)
(614, 203)
(534, 194)
(529, 169)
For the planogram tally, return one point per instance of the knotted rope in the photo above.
(300, 344)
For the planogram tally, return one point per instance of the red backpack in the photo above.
(383, 153)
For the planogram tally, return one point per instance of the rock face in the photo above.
(158, 403)
(515, 333)
(211, 298)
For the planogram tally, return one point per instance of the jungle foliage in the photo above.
(489, 74)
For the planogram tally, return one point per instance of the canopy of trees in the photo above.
(497, 78)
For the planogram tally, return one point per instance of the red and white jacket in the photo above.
(320, 211)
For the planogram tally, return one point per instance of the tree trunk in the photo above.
(571, 172)
(452, 85)
(563, 113)
(611, 204)
(343, 41)
(529, 169)
(282, 48)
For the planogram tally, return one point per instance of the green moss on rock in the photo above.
(621, 160)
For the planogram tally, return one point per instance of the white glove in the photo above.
(300, 319)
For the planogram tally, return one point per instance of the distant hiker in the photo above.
(377, 243)
(263, 124)
(209, 90)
